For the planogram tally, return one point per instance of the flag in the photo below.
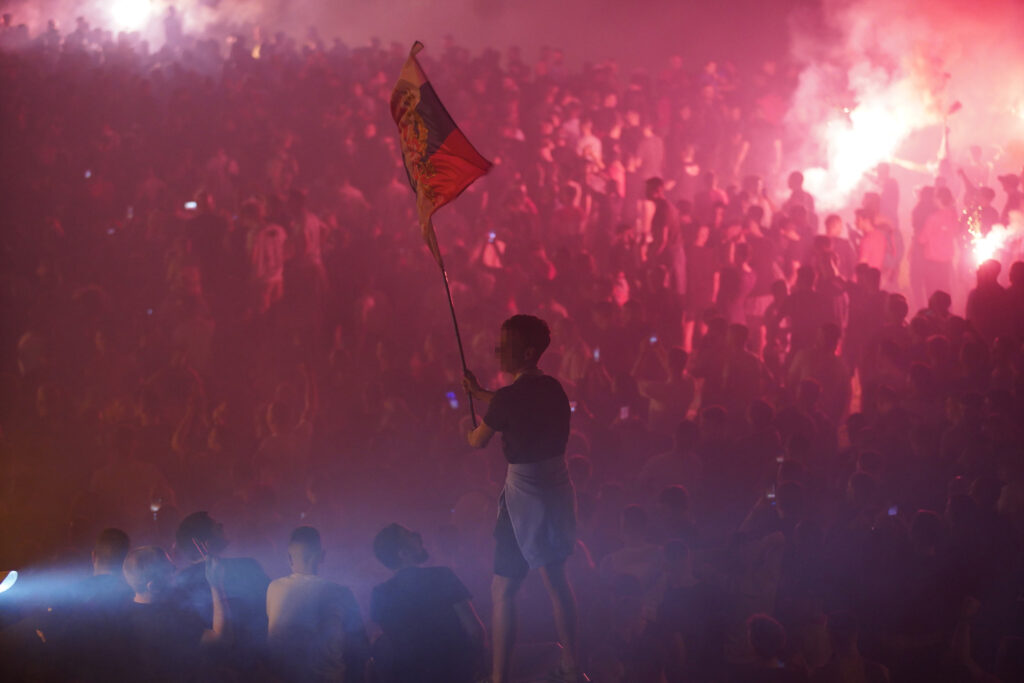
(439, 160)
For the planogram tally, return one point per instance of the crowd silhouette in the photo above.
(796, 435)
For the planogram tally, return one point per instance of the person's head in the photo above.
(833, 226)
(1017, 274)
(713, 423)
(674, 500)
(780, 290)
(736, 337)
(988, 272)
(986, 195)
(897, 308)
(148, 571)
(523, 339)
(200, 528)
(1009, 182)
(944, 196)
(654, 188)
(112, 545)
(940, 302)
(795, 181)
(397, 547)
(767, 637)
(864, 220)
(305, 552)
(805, 277)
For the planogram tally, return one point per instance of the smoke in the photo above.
(639, 34)
(880, 78)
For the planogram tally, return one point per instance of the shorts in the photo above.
(508, 557)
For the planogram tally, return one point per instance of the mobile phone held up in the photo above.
(453, 400)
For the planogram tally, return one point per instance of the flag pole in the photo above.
(455, 322)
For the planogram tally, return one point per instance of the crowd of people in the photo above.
(789, 464)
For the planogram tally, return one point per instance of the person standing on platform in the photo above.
(536, 526)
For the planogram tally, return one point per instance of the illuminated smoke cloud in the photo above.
(880, 77)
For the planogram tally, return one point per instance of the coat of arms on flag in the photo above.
(439, 159)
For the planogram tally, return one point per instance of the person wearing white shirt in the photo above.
(314, 631)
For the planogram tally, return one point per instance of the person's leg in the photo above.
(564, 603)
(503, 625)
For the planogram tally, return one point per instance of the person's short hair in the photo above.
(652, 185)
(675, 497)
(307, 537)
(832, 219)
(738, 333)
(677, 360)
(531, 330)
(112, 546)
(940, 300)
(200, 526)
(806, 275)
(897, 306)
(767, 637)
(387, 545)
(944, 196)
(148, 565)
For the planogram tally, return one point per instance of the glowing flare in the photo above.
(9, 580)
(985, 247)
(130, 15)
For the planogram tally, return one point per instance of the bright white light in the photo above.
(8, 581)
(130, 15)
(985, 247)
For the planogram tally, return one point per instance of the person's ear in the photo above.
(151, 587)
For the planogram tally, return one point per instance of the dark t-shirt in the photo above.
(245, 587)
(532, 415)
(424, 638)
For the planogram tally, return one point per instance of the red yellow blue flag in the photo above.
(439, 159)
